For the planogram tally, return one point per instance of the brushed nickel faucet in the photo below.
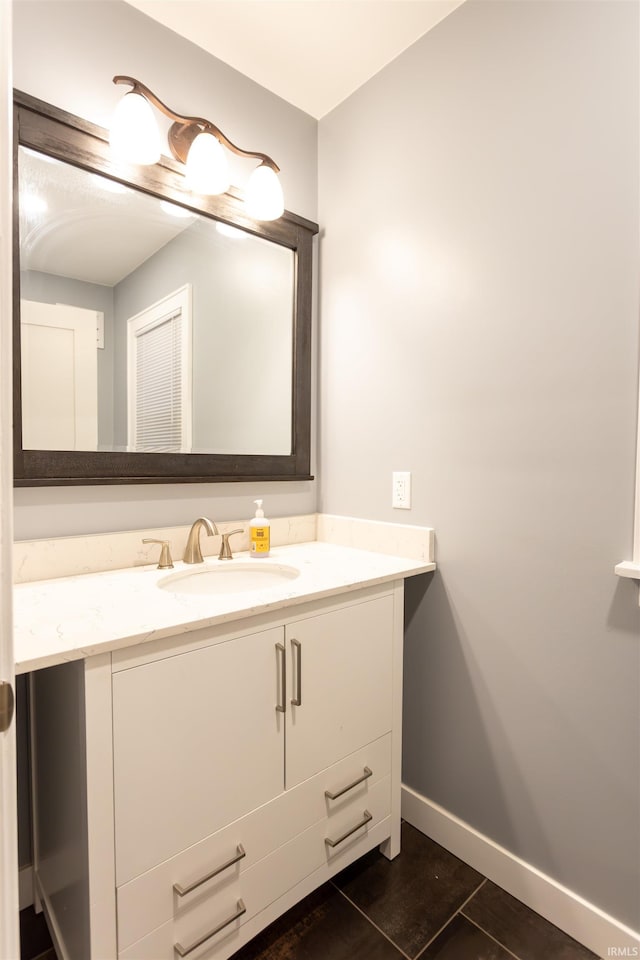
(192, 552)
(165, 562)
(225, 548)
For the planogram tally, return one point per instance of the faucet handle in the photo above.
(225, 549)
(165, 562)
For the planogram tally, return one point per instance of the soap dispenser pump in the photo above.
(260, 533)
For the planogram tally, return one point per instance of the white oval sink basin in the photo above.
(230, 577)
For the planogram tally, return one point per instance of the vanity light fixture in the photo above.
(195, 142)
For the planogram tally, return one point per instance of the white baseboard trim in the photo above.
(25, 887)
(582, 920)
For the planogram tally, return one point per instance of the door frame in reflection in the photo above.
(175, 305)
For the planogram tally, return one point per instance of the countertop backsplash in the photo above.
(71, 556)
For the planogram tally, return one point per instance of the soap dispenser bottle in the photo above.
(260, 533)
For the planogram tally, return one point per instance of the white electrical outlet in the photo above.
(401, 490)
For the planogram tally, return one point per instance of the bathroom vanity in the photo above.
(196, 777)
(201, 759)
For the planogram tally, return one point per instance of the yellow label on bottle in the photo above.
(259, 539)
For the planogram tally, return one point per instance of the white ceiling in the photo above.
(312, 53)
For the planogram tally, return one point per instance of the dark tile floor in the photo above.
(35, 941)
(425, 904)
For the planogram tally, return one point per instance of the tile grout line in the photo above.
(369, 920)
(454, 914)
(491, 937)
(438, 932)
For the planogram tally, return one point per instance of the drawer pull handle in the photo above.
(334, 843)
(297, 646)
(282, 707)
(184, 951)
(183, 891)
(334, 796)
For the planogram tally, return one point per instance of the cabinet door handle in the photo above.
(334, 796)
(282, 707)
(184, 951)
(366, 818)
(183, 891)
(296, 646)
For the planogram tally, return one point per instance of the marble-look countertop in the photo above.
(75, 617)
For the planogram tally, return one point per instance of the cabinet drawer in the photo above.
(267, 880)
(199, 913)
(346, 829)
(149, 900)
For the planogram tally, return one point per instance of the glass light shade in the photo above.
(134, 136)
(33, 204)
(232, 232)
(173, 210)
(207, 168)
(263, 197)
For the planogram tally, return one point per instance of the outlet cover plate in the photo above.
(401, 490)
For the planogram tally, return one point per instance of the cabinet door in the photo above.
(197, 743)
(340, 668)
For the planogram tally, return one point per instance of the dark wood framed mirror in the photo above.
(242, 367)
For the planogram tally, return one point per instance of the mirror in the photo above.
(158, 336)
(193, 322)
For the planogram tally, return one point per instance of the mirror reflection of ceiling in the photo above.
(69, 204)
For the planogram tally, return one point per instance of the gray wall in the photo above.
(242, 310)
(479, 327)
(47, 288)
(67, 53)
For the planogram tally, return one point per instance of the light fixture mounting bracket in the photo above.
(180, 137)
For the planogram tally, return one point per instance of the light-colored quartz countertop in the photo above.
(75, 617)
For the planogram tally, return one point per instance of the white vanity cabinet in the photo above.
(197, 743)
(222, 775)
(344, 660)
